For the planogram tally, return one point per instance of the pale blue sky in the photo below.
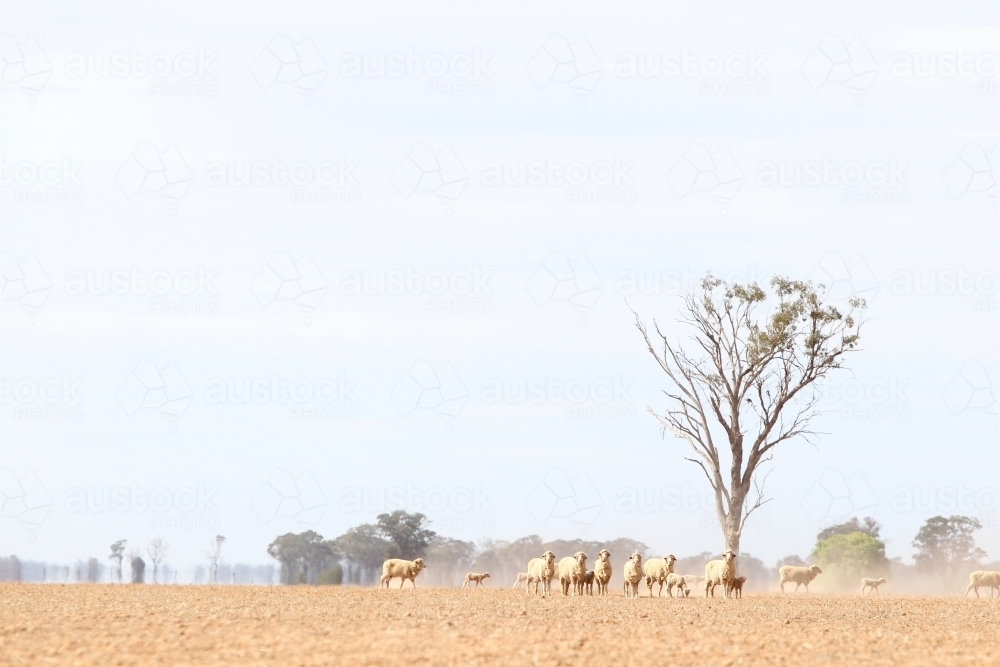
(468, 301)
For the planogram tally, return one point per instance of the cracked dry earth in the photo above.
(105, 625)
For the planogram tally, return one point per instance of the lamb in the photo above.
(478, 578)
(404, 569)
(656, 570)
(588, 582)
(800, 576)
(692, 582)
(676, 580)
(737, 586)
(720, 573)
(873, 584)
(602, 571)
(633, 575)
(983, 578)
(522, 577)
(541, 571)
(571, 572)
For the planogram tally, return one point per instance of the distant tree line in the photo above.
(945, 553)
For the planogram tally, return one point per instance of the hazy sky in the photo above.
(270, 267)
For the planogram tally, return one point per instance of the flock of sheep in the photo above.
(574, 577)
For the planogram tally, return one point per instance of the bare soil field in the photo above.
(102, 625)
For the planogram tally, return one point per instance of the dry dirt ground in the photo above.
(103, 625)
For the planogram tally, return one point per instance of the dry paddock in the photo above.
(102, 625)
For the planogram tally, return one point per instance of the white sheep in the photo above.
(602, 571)
(720, 573)
(404, 569)
(873, 584)
(541, 571)
(676, 581)
(656, 571)
(572, 570)
(983, 578)
(692, 582)
(522, 578)
(476, 577)
(633, 575)
(800, 576)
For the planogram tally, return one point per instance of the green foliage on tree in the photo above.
(362, 550)
(869, 527)
(302, 556)
(407, 534)
(334, 576)
(846, 558)
(946, 547)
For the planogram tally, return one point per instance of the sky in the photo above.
(272, 267)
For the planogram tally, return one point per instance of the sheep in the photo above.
(656, 570)
(983, 578)
(800, 576)
(522, 577)
(602, 571)
(720, 573)
(633, 575)
(571, 571)
(676, 580)
(541, 571)
(692, 582)
(737, 586)
(478, 578)
(404, 569)
(872, 584)
(588, 581)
